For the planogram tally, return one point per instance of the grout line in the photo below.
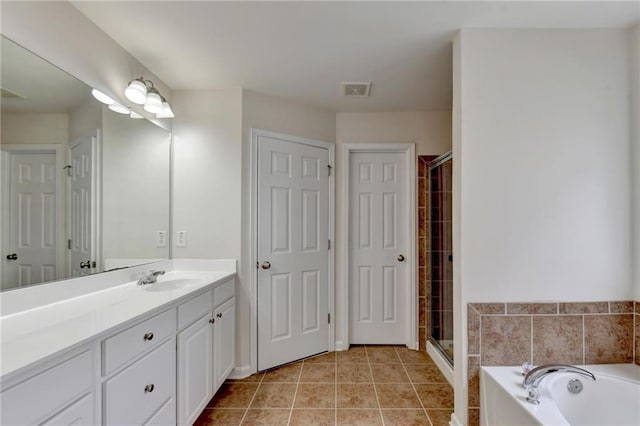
(584, 352)
(414, 389)
(531, 341)
(246, 410)
(373, 382)
(335, 388)
(295, 394)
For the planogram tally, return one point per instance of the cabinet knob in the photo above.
(148, 336)
(149, 388)
(212, 320)
(219, 315)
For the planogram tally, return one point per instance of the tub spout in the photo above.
(533, 378)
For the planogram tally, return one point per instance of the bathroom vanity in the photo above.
(119, 353)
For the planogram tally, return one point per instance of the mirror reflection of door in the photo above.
(82, 206)
(30, 223)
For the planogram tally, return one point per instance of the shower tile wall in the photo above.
(540, 333)
(424, 270)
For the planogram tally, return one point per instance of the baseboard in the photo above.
(454, 420)
(442, 363)
(241, 372)
(341, 346)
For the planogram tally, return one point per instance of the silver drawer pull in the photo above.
(148, 336)
(149, 388)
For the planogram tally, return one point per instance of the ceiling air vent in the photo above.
(6, 93)
(361, 88)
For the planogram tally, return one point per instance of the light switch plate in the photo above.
(181, 240)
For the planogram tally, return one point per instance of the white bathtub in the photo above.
(612, 400)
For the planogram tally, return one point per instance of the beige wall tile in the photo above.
(473, 397)
(474, 417)
(584, 308)
(489, 308)
(608, 338)
(532, 308)
(621, 307)
(506, 340)
(557, 339)
(473, 331)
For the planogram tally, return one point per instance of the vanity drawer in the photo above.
(193, 309)
(140, 390)
(127, 344)
(224, 292)
(45, 394)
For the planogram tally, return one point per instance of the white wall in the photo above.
(59, 33)
(85, 119)
(135, 187)
(543, 172)
(40, 128)
(429, 130)
(265, 112)
(635, 141)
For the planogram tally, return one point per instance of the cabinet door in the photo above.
(195, 369)
(224, 342)
(79, 413)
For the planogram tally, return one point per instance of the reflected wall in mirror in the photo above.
(83, 189)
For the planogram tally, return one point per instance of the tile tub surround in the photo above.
(366, 385)
(504, 334)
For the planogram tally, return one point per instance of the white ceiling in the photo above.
(43, 87)
(303, 50)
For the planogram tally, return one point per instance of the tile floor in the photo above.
(366, 385)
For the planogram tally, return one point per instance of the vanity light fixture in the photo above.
(120, 109)
(136, 91)
(166, 110)
(135, 115)
(143, 92)
(153, 104)
(105, 99)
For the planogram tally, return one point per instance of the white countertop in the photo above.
(34, 335)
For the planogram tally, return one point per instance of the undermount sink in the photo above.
(172, 284)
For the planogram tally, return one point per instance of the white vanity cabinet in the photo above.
(59, 392)
(206, 349)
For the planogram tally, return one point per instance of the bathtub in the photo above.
(612, 400)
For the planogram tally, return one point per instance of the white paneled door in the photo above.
(378, 248)
(31, 252)
(293, 218)
(82, 226)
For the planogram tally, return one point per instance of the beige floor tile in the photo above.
(234, 395)
(266, 417)
(405, 417)
(440, 417)
(327, 358)
(285, 374)
(254, 378)
(352, 395)
(435, 395)
(318, 373)
(354, 373)
(397, 396)
(425, 373)
(315, 395)
(220, 416)
(351, 417)
(413, 357)
(354, 355)
(274, 395)
(306, 417)
(382, 354)
(389, 373)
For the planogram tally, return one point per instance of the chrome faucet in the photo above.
(533, 378)
(149, 277)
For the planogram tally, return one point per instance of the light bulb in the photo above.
(120, 109)
(166, 110)
(107, 100)
(153, 103)
(136, 91)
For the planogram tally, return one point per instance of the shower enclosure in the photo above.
(441, 254)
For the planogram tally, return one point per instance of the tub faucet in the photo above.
(533, 378)
(149, 277)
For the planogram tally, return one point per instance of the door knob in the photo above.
(266, 265)
(12, 256)
(86, 264)
(400, 258)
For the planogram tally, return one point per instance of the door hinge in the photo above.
(328, 244)
(69, 244)
(329, 318)
(68, 167)
(329, 169)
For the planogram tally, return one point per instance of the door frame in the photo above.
(58, 151)
(408, 149)
(253, 250)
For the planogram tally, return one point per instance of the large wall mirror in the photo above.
(83, 189)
